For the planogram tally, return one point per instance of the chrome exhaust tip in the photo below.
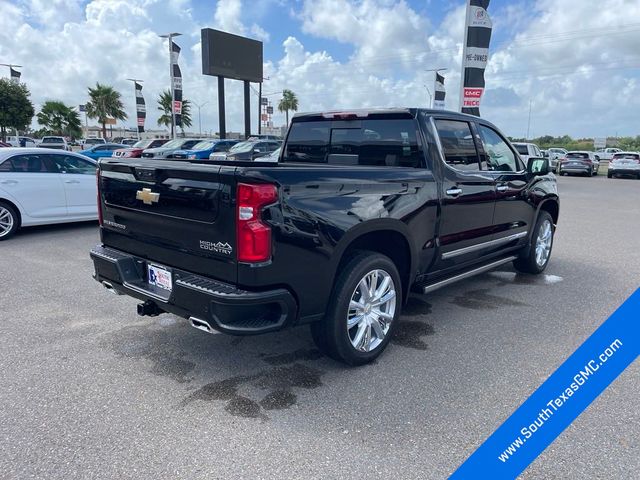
(110, 288)
(202, 325)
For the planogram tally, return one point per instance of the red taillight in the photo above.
(253, 236)
(99, 199)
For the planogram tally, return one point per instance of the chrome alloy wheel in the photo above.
(6, 221)
(371, 310)
(543, 243)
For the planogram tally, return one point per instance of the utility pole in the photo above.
(430, 105)
(199, 120)
(135, 93)
(173, 113)
(529, 121)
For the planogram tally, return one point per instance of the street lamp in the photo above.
(173, 114)
(199, 120)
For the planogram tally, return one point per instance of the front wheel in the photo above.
(363, 310)
(536, 258)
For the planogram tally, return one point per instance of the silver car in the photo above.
(168, 149)
(624, 163)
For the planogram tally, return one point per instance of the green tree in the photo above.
(164, 106)
(289, 101)
(16, 109)
(58, 119)
(105, 102)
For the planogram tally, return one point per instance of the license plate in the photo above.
(159, 276)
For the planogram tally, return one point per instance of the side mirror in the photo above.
(538, 166)
(597, 157)
(256, 150)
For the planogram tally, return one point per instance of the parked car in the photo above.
(89, 142)
(247, 150)
(360, 211)
(129, 142)
(102, 150)
(41, 186)
(582, 162)
(202, 150)
(136, 150)
(58, 143)
(607, 153)
(624, 163)
(527, 151)
(272, 157)
(21, 141)
(168, 149)
(264, 136)
(556, 155)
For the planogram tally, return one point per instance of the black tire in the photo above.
(331, 334)
(609, 175)
(526, 262)
(8, 212)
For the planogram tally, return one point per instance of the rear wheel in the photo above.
(9, 221)
(609, 175)
(536, 258)
(363, 310)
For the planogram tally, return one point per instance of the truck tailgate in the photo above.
(173, 213)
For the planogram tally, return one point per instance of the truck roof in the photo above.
(366, 112)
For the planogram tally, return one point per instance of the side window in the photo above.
(500, 157)
(189, 144)
(307, 142)
(69, 164)
(457, 142)
(34, 163)
(6, 166)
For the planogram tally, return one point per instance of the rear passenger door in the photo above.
(468, 196)
(513, 217)
(33, 181)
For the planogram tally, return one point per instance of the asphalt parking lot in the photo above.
(91, 390)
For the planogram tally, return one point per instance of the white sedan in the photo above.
(40, 186)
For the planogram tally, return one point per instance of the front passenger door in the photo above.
(468, 196)
(513, 218)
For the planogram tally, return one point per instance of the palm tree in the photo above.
(289, 101)
(104, 103)
(59, 119)
(164, 105)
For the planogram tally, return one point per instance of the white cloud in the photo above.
(567, 57)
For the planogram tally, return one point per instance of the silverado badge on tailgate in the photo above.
(147, 196)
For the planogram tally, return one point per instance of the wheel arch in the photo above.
(552, 206)
(15, 207)
(386, 236)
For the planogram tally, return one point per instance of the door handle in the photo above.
(9, 182)
(72, 181)
(502, 188)
(454, 192)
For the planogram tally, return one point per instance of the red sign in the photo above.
(177, 106)
(141, 122)
(471, 97)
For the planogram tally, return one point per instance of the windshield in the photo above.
(52, 140)
(204, 145)
(626, 156)
(176, 143)
(577, 155)
(241, 147)
(142, 144)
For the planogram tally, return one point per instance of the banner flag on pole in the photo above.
(177, 84)
(475, 55)
(15, 74)
(141, 109)
(440, 92)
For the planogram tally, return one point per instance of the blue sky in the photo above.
(577, 62)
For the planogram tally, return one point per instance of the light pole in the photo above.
(199, 120)
(173, 113)
(430, 96)
(529, 121)
(135, 97)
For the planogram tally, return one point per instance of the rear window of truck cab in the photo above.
(367, 142)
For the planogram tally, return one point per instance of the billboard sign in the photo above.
(231, 56)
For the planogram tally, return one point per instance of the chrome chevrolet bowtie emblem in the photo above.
(147, 196)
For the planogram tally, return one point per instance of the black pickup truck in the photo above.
(361, 208)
